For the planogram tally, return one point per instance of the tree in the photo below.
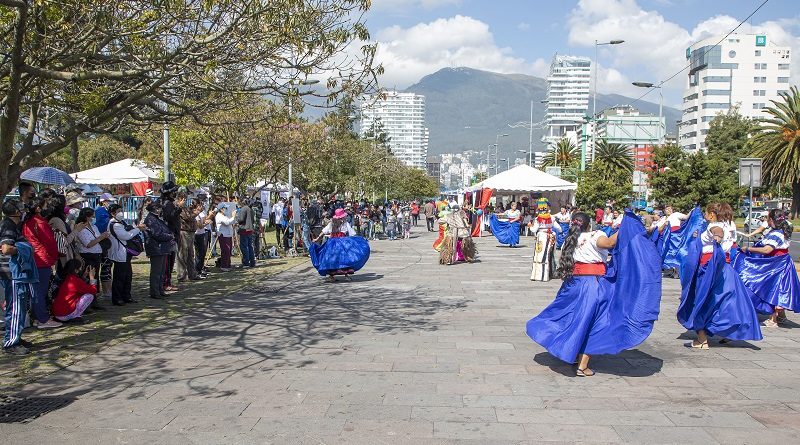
(612, 160)
(564, 154)
(75, 67)
(416, 184)
(596, 185)
(777, 142)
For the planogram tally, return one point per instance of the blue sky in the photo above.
(418, 37)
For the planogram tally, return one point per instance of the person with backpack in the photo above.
(125, 244)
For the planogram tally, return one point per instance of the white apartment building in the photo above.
(402, 117)
(745, 70)
(567, 97)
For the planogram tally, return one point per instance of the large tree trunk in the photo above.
(73, 145)
(795, 199)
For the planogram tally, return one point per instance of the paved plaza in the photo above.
(416, 353)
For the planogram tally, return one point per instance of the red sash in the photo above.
(589, 269)
(779, 252)
(706, 257)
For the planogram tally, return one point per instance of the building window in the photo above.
(759, 92)
(758, 53)
(761, 79)
(783, 80)
(761, 66)
(716, 92)
(758, 106)
(716, 106)
(717, 79)
(783, 92)
(783, 66)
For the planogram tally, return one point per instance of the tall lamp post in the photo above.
(497, 149)
(508, 164)
(661, 130)
(596, 44)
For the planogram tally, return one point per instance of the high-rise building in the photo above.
(567, 97)
(744, 70)
(401, 116)
(627, 126)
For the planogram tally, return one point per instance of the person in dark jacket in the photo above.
(172, 216)
(16, 297)
(157, 247)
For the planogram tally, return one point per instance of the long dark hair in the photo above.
(580, 223)
(778, 218)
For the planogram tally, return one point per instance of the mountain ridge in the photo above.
(467, 108)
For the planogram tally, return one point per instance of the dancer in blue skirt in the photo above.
(601, 308)
(714, 301)
(507, 232)
(767, 270)
(343, 253)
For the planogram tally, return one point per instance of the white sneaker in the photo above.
(49, 324)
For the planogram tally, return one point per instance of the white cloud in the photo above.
(654, 43)
(408, 54)
(524, 26)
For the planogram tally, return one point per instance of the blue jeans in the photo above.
(16, 296)
(246, 247)
(39, 298)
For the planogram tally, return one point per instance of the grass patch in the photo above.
(56, 349)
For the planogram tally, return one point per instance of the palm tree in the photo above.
(564, 154)
(777, 142)
(612, 160)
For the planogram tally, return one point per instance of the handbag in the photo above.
(133, 246)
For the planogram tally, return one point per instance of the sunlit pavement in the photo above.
(413, 352)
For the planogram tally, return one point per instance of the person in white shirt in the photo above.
(225, 235)
(121, 234)
(202, 237)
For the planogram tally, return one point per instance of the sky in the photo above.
(419, 37)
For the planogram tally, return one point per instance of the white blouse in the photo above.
(86, 236)
(776, 239)
(728, 239)
(344, 228)
(587, 251)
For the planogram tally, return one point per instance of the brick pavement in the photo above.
(413, 352)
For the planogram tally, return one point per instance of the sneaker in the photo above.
(16, 350)
(26, 343)
(49, 324)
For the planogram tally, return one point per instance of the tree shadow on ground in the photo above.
(631, 363)
(282, 322)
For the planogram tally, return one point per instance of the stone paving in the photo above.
(417, 353)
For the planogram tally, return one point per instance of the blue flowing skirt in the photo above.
(505, 232)
(605, 314)
(713, 298)
(339, 254)
(562, 235)
(676, 244)
(773, 280)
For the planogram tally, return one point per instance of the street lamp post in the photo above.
(661, 130)
(530, 157)
(596, 44)
(497, 149)
(508, 164)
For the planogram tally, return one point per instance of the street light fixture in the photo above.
(508, 164)
(497, 149)
(596, 44)
(660, 105)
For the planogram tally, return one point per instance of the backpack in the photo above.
(133, 246)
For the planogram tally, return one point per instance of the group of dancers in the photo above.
(610, 296)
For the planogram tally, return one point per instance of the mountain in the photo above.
(466, 108)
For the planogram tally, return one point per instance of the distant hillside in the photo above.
(466, 108)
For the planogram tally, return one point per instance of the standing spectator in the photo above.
(598, 216)
(17, 266)
(65, 237)
(74, 201)
(225, 236)
(142, 214)
(244, 218)
(202, 237)
(277, 214)
(316, 216)
(171, 214)
(45, 253)
(258, 209)
(27, 192)
(415, 212)
(121, 234)
(158, 245)
(187, 269)
(101, 219)
(430, 214)
(75, 295)
(391, 225)
(89, 244)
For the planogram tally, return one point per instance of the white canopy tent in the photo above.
(524, 180)
(126, 171)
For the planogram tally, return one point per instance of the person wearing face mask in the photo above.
(74, 202)
(65, 236)
(27, 192)
(40, 235)
(101, 218)
(121, 233)
(89, 244)
(158, 246)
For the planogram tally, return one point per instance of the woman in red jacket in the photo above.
(74, 294)
(40, 235)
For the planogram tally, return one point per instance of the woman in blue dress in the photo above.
(767, 270)
(343, 253)
(507, 232)
(601, 308)
(714, 301)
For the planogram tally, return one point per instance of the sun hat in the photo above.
(74, 198)
(339, 214)
(107, 197)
